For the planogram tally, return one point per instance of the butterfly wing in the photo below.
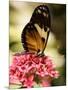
(44, 33)
(31, 39)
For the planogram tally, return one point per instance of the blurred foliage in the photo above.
(19, 15)
(16, 47)
(62, 79)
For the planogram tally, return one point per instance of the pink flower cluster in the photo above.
(27, 67)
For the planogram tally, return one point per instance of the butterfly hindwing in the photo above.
(32, 41)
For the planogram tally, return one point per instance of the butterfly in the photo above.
(35, 34)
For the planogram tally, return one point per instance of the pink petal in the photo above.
(45, 84)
